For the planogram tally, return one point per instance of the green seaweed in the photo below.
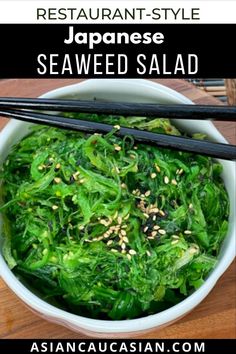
(107, 227)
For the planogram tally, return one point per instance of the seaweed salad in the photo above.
(108, 228)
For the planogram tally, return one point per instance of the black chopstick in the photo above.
(218, 150)
(178, 111)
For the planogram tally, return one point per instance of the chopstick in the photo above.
(218, 150)
(177, 111)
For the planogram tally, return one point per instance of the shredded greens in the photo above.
(108, 228)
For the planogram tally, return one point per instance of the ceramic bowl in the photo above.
(130, 91)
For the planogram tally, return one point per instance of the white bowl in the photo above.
(131, 91)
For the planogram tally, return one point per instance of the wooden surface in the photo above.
(215, 317)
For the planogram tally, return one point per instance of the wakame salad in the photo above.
(108, 228)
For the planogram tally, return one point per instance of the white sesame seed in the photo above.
(40, 168)
(106, 234)
(104, 222)
(110, 242)
(117, 147)
(154, 210)
(129, 257)
(117, 126)
(123, 246)
(154, 233)
(174, 242)
(81, 227)
(156, 227)
(154, 217)
(57, 180)
(146, 215)
(115, 215)
(175, 237)
(132, 252)
(150, 237)
(153, 175)
(135, 148)
(123, 185)
(145, 229)
(58, 166)
(125, 239)
(162, 232)
(177, 171)
(166, 180)
(161, 212)
(54, 207)
(157, 168)
(124, 226)
(148, 253)
(119, 220)
(174, 182)
(190, 206)
(114, 250)
(123, 232)
(187, 232)
(181, 171)
(147, 193)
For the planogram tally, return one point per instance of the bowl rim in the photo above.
(110, 326)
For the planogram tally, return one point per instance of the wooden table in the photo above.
(215, 317)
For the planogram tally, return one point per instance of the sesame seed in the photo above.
(124, 226)
(123, 185)
(114, 250)
(54, 207)
(181, 171)
(135, 148)
(146, 215)
(175, 237)
(58, 166)
(154, 217)
(174, 242)
(145, 229)
(161, 212)
(132, 252)
(100, 238)
(162, 232)
(125, 239)
(40, 168)
(129, 257)
(148, 253)
(177, 171)
(123, 251)
(174, 182)
(157, 168)
(166, 180)
(153, 175)
(154, 210)
(120, 242)
(134, 191)
(123, 232)
(123, 246)
(106, 235)
(117, 147)
(81, 227)
(119, 220)
(81, 181)
(95, 239)
(104, 222)
(117, 126)
(187, 232)
(142, 196)
(110, 242)
(156, 227)
(147, 193)
(190, 206)
(126, 217)
(57, 180)
(150, 237)
(154, 233)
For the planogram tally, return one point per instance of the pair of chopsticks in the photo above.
(21, 109)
